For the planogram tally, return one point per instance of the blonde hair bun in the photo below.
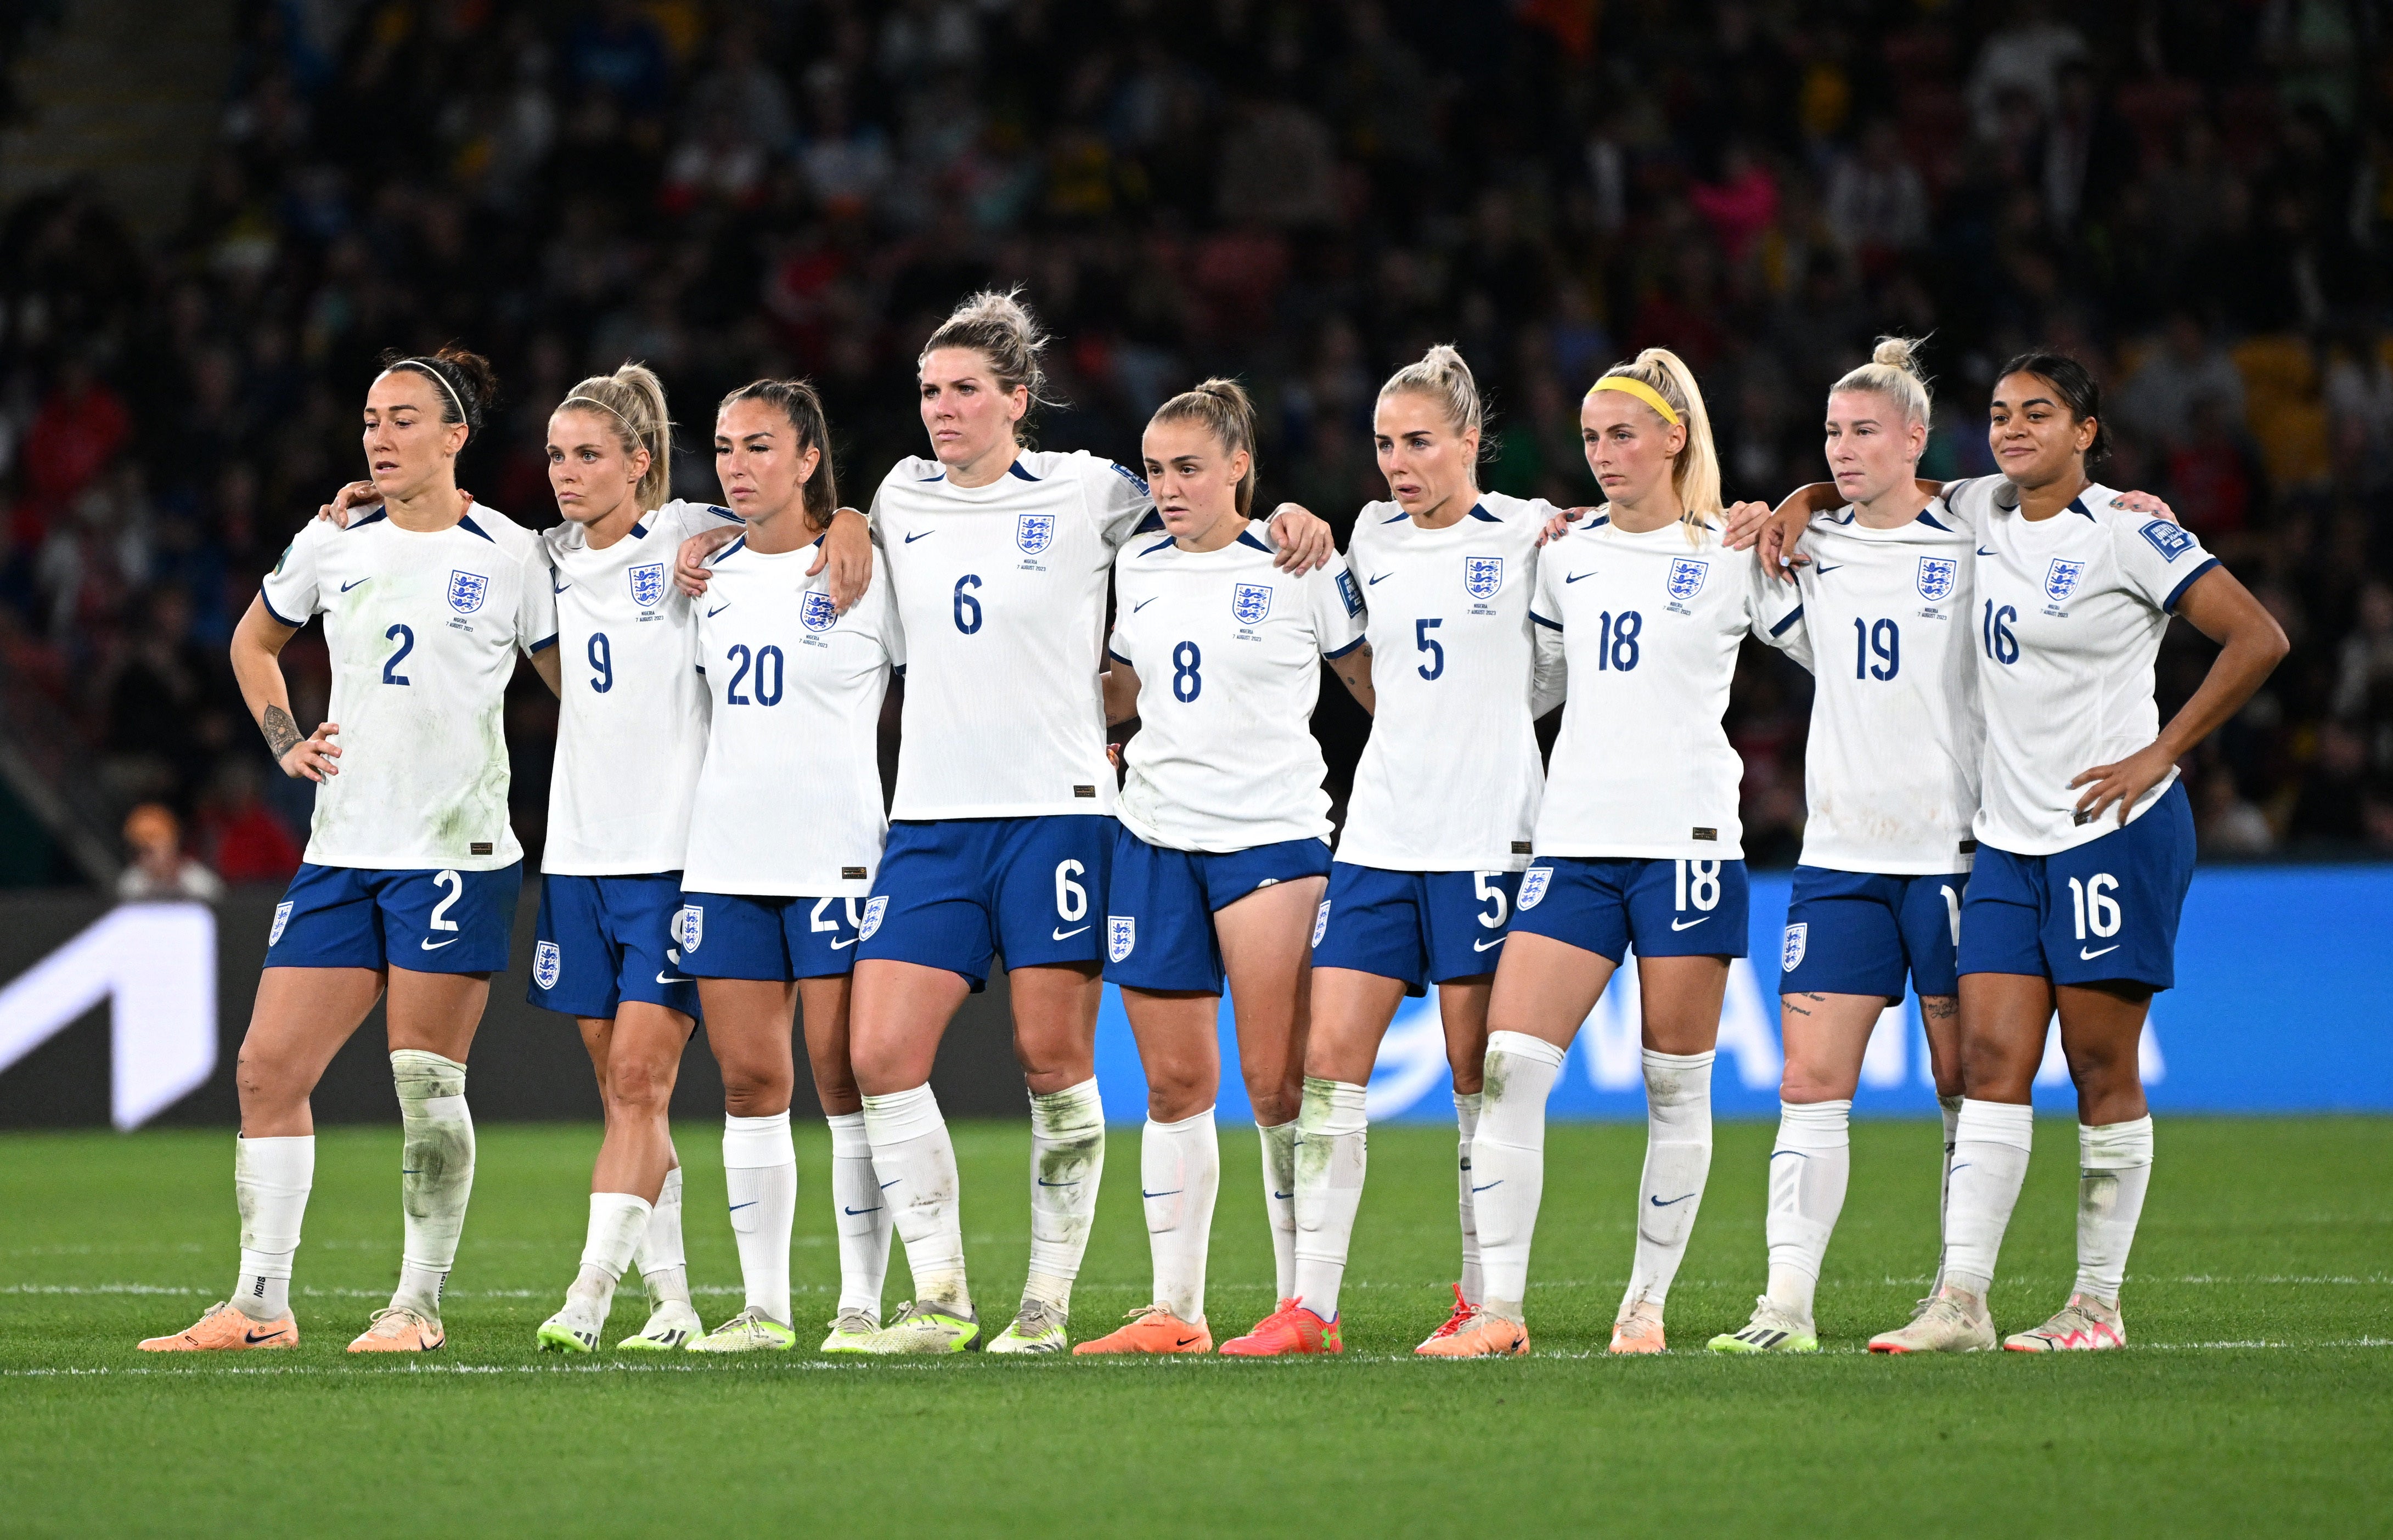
(1893, 371)
(1442, 376)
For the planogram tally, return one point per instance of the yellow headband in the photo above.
(1640, 389)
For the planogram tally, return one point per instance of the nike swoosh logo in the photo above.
(925, 535)
(1983, 551)
(1963, 1166)
(1497, 1182)
(432, 945)
(254, 1337)
(1184, 1341)
(1145, 1193)
(891, 1182)
(1045, 1182)
(749, 1204)
(1680, 1198)
(561, 588)
(670, 978)
(345, 587)
(1824, 572)
(849, 942)
(717, 610)
(1482, 945)
(1577, 576)
(1378, 580)
(1140, 605)
(845, 1210)
(1066, 936)
(1775, 1154)
(1283, 1196)
(1687, 924)
(2084, 956)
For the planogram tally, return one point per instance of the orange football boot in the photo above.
(397, 1330)
(1289, 1329)
(1480, 1336)
(224, 1328)
(1639, 1331)
(1152, 1329)
(1462, 1308)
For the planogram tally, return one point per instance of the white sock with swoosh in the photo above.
(1279, 1201)
(1810, 1166)
(910, 1142)
(860, 1211)
(2114, 1168)
(270, 1177)
(1068, 1159)
(1991, 1143)
(435, 1173)
(1467, 1107)
(659, 1258)
(1179, 1174)
(1332, 1156)
(1508, 1162)
(1678, 1160)
(760, 1173)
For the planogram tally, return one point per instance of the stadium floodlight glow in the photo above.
(155, 965)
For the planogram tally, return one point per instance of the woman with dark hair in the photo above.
(412, 871)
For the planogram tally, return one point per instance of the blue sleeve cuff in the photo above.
(2190, 578)
(1792, 616)
(1347, 648)
(543, 644)
(1118, 657)
(1550, 625)
(276, 613)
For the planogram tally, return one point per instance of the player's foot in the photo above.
(1772, 1330)
(1289, 1329)
(399, 1330)
(1036, 1328)
(224, 1328)
(849, 1332)
(2084, 1324)
(921, 1327)
(750, 1331)
(1639, 1331)
(573, 1330)
(1951, 1323)
(673, 1323)
(1153, 1329)
(1462, 1308)
(1482, 1334)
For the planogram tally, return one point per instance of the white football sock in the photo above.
(616, 1223)
(1951, 1107)
(861, 1215)
(1332, 1153)
(1466, 1119)
(1508, 1159)
(1180, 1173)
(1279, 1202)
(1068, 1157)
(1989, 1149)
(435, 1173)
(1678, 1160)
(1808, 1168)
(2114, 1168)
(270, 1177)
(760, 1175)
(659, 1256)
(910, 1145)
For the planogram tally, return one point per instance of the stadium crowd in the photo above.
(2195, 197)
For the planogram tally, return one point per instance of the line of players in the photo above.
(718, 847)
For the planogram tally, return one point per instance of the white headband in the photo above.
(423, 366)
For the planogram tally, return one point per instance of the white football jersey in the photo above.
(1450, 777)
(1001, 593)
(632, 714)
(789, 800)
(2071, 611)
(1891, 771)
(422, 630)
(1650, 625)
(1227, 650)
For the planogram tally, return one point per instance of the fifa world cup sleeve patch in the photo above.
(1350, 595)
(2167, 539)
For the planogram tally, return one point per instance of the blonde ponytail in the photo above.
(1893, 371)
(1696, 476)
(1443, 376)
(1226, 410)
(634, 398)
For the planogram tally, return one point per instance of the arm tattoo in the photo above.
(282, 733)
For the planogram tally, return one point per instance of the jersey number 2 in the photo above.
(406, 640)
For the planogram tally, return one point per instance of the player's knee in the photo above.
(1275, 1099)
(640, 1088)
(1994, 1070)
(263, 1084)
(756, 1091)
(1801, 1083)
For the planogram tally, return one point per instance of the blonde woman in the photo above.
(1637, 841)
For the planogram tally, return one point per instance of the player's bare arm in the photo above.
(846, 549)
(2251, 645)
(551, 671)
(1354, 670)
(257, 644)
(689, 565)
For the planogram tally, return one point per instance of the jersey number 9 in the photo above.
(602, 664)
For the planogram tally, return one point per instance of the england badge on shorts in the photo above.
(689, 926)
(1687, 577)
(817, 612)
(1482, 576)
(546, 963)
(1249, 603)
(1533, 887)
(873, 909)
(1033, 532)
(282, 918)
(2061, 579)
(1936, 578)
(1321, 922)
(647, 584)
(1798, 937)
(1121, 935)
(466, 591)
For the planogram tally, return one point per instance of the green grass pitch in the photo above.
(2259, 1396)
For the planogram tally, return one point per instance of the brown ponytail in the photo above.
(1226, 410)
(796, 401)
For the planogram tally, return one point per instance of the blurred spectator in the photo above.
(157, 868)
(2228, 825)
(244, 839)
(2158, 400)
